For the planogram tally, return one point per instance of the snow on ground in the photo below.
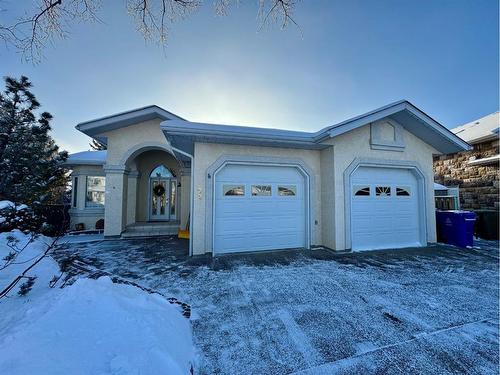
(90, 327)
(430, 310)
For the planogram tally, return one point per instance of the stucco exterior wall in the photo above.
(356, 144)
(207, 153)
(121, 141)
(327, 198)
(80, 213)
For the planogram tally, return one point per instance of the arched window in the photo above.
(161, 171)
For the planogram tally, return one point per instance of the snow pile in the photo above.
(90, 327)
(44, 270)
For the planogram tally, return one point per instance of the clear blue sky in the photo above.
(354, 56)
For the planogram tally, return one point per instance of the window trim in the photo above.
(90, 204)
(407, 189)
(357, 188)
(261, 185)
(75, 192)
(286, 186)
(382, 192)
(233, 186)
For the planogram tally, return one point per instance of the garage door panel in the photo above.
(390, 221)
(259, 222)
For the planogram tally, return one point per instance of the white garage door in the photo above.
(259, 208)
(385, 210)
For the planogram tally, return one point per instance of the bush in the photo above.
(24, 219)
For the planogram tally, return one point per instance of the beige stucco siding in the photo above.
(356, 144)
(133, 152)
(122, 141)
(327, 198)
(207, 154)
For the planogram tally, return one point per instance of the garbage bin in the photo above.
(455, 227)
(487, 224)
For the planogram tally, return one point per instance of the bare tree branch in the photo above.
(51, 19)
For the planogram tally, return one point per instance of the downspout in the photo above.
(191, 198)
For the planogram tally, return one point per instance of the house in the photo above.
(365, 183)
(474, 171)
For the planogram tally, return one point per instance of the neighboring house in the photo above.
(475, 171)
(365, 183)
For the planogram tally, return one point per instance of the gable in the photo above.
(99, 127)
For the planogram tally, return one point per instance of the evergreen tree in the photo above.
(97, 146)
(31, 169)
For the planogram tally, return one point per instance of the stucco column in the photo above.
(132, 197)
(184, 197)
(116, 200)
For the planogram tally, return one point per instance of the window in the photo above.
(361, 190)
(383, 191)
(403, 191)
(161, 171)
(234, 190)
(75, 191)
(261, 190)
(96, 187)
(287, 190)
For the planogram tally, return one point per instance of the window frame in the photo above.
(291, 187)
(93, 204)
(233, 186)
(382, 194)
(75, 192)
(261, 186)
(406, 189)
(356, 188)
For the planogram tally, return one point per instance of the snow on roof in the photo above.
(87, 158)
(479, 130)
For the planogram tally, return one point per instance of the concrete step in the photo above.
(151, 229)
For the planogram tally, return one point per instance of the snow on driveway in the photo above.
(432, 310)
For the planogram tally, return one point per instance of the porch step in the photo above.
(151, 229)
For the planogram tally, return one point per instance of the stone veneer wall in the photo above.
(479, 184)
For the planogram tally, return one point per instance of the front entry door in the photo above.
(162, 194)
(159, 204)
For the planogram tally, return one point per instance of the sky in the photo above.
(349, 57)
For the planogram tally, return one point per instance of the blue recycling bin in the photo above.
(455, 227)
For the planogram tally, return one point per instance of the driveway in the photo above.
(430, 310)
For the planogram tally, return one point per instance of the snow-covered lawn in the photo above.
(90, 327)
(422, 311)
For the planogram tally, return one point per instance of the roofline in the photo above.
(248, 134)
(84, 162)
(126, 113)
(97, 126)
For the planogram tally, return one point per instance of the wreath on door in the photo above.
(159, 190)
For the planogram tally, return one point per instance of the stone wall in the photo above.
(479, 184)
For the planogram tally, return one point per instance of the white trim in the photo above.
(189, 132)
(380, 163)
(483, 161)
(123, 119)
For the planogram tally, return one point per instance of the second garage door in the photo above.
(259, 208)
(385, 209)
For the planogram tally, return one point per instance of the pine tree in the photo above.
(31, 169)
(97, 146)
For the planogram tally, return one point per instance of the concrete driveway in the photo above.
(430, 310)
